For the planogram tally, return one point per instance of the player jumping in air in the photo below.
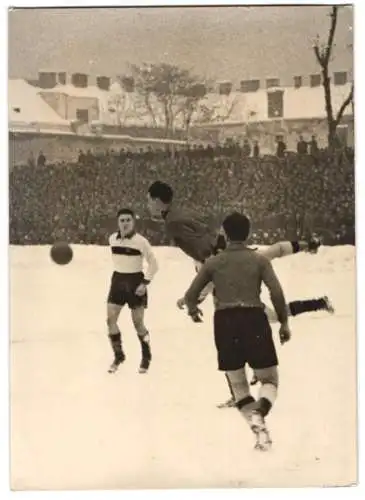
(242, 332)
(129, 286)
(197, 240)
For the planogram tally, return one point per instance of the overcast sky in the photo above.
(222, 43)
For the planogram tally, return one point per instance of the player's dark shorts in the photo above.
(243, 335)
(122, 290)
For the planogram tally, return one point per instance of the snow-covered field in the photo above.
(74, 426)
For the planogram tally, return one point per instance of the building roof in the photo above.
(298, 104)
(117, 106)
(307, 102)
(26, 106)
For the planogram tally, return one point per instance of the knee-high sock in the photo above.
(145, 345)
(267, 397)
(269, 379)
(240, 390)
(116, 343)
(302, 306)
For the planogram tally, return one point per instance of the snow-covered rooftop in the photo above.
(118, 107)
(26, 106)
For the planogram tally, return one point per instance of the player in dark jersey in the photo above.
(198, 240)
(129, 286)
(242, 333)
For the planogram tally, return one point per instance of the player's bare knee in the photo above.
(112, 317)
(141, 330)
(111, 321)
(268, 375)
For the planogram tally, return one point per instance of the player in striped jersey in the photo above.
(129, 286)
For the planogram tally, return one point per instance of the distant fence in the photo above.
(66, 147)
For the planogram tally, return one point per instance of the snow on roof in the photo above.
(117, 106)
(298, 104)
(25, 105)
(91, 91)
(237, 107)
(308, 102)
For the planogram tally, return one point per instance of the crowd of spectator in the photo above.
(285, 197)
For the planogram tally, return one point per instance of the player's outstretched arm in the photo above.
(285, 248)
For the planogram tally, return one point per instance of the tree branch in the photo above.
(318, 54)
(344, 105)
(331, 33)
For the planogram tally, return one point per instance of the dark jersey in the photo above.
(237, 274)
(190, 233)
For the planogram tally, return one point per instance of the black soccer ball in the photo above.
(61, 253)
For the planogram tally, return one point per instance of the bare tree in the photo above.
(323, 54)
(168, 92)
(189, 105)
(140, 82)
(174, 97)
(220, 110)
(117, 106)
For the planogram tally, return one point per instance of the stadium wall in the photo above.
(265, 132)
(66, 147)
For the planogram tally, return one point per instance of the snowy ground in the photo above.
(74, 426)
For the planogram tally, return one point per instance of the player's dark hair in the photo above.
(161, 191)
(237, 226)
(125, 211)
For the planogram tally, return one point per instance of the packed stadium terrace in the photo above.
(285, 197)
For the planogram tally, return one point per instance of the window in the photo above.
(47, 80)
(127, 83)
(62, 78)
(272, 82)
(79, 80)
(315, 80)
(197, 90)
(82, 115)
(340, 78)
(103, 82)
(225, 88)
(298, 82)
(250, 85)
(275, 104)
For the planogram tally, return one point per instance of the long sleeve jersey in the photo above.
(199, 241)
(237, 274)
(129, 253)
(278, 250)
(190, 233)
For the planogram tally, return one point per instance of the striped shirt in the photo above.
(129, 254)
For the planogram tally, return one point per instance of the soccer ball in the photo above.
(61, 253)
